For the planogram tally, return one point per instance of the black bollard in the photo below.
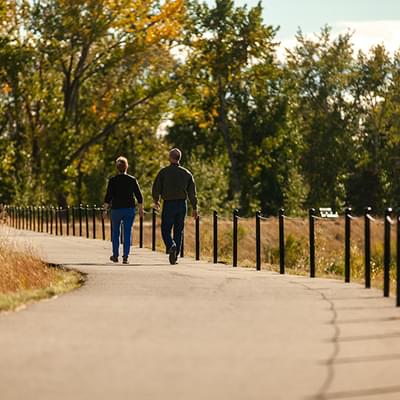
(347, 245)
(367, 246)
(398, 261)
(47, 219)
(51, 220)
(73, 221)
(197, 239)
(215, 237)
(56, 219)
(153, 229)
(387, 256)
(67, 219)
(87, 221)
(103, 227)
(80, 219)
(258, 241)
(282, 241)
(33, 218)
(141, 232)
(235, 237)
(42, 220)
(94, 221)
(311, 222)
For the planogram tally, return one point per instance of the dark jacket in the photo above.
(122, 190)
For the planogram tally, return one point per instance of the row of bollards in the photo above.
(55, 219)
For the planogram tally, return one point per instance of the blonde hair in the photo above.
(122, 164)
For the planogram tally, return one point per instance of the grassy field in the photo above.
(24, 278)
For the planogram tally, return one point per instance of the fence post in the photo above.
(42, 219)
(103, 227)
(56, 219)
(282, 241)
(94, 221)
(347, 245)
(198, 238)
(38, 219)
(258, 241)
(153, 229)
(386, 256)
(51, 220)
(367, 246)
(183, 245)
(47, 219)
(67, 219)
(87, 220)
(215, 237)
(141, 231)
(60, 217)
(311, 215)
(80, 219)
(398, 261)
(33, 218)
(73, 220)
(235, 237)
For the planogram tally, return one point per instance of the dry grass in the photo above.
(329, 245)
(24, 277)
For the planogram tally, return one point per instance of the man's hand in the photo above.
(141, 212)
(156, 205)
(195, 214)
(106, 206)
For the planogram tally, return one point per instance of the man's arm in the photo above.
(156, 190)
(192, 194)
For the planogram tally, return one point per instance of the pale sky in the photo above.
(372, 21)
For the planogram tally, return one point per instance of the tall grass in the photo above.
(24, 277)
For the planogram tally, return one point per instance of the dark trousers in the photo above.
(173, 218)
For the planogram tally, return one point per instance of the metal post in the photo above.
(367, 246)
(215, 237)
(51, 220)
(34, 217)
(94, 221)
(87, 220)
(183, 245)
(80, 219)
(67, 219)
(38, 219)
(141, 232)
(47, 219)
(258, 241)
(235, 237)
(282, 241)
(197, 238)
(398, 261)
(153, 231)
(311, 219)
(347, 245)
(103, 228)
(73, 220)
(60, 216)
(56, 219)
(386, 256)
(42, 219)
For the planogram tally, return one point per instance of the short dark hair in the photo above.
(175, 154)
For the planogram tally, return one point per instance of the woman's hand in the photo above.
(141, 212)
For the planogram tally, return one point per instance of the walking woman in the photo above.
(120, 197)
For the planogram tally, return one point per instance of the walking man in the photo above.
(121, 190)
(174, 184)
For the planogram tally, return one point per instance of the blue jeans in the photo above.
(173, 217)
(127, 216)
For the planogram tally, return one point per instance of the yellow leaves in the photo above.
(6, 89)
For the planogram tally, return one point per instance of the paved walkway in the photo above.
(196, 331)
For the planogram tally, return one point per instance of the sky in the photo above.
(371, 21)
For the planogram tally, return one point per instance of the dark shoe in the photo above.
(114, 259)
(172, 255)
(125, 260)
